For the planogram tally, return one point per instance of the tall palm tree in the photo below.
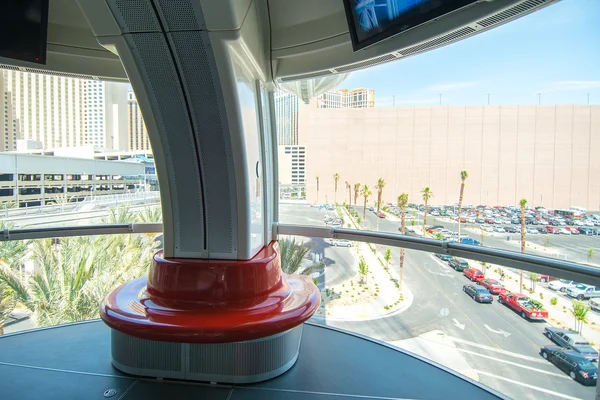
(379, 186)
(7, 305)
(463, 177)
(292, 255)
(356, 193)
(365, 192)
(402, 202)
(336, 178)
(317, 188)
(522, 204)
(349, 195)
(427, 194)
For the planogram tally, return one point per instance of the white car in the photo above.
(564, 231)
(561, 285)
(532, 231)
(499, 229)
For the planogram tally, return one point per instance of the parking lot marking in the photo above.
(514, 363)
(505, 352)
(539, 389)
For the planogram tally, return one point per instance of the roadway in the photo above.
(499, 345)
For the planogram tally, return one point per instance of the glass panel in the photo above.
(64, 169)
(437, 312)
(47, 282)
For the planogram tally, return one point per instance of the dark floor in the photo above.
(73, 362)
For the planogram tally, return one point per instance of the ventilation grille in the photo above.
(134, 15)
(199, 75)
(368, 63)
(64, 74)
(438, 41)
(512, 12)
(145, 354)
(245, 358)
(175, 134)
(181, 15)
(305, 76)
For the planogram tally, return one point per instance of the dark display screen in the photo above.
(371, 21)
(23, 29)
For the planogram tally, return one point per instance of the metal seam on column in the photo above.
(191, 121)
(56, 232)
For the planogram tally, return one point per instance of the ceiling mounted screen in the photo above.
(23, 29)
(371, 21)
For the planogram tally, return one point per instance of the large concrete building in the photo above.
(546, 154)
(106, 115)
(347, 98)
(286, 118)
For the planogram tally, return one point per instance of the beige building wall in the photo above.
(137, 133)
(549, 155)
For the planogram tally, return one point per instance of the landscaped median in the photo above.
(374, 292)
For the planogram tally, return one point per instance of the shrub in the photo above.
(553, 301)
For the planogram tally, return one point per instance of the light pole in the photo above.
(440, 99)
(488, 95)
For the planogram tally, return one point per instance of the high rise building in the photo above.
(138, 135)
(44, 108)
(106, 115)
(286, 117)
(292, 164)
(345, 98)
(8, 121)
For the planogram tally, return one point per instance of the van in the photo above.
(469, 240)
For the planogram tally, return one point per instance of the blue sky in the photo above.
(555, 52)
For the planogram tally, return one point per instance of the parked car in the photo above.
(553, 230)
(547, 278)
(523, 305)
(499, 229)
(434, 227)
(542, 231)
(443, 257)
(473, 274)
(340, 242)
(381, 214)
(511, 229)
(486, 228)
(595, 304)
(478, 293)
(573, 341)
(532, 231)
(577, 367)
(494, 286)
(582, 291)
(565, 231)
(561, 284)
(469, 240)
(489, 220)
(371, 208)
(458, 264)
(573, 230)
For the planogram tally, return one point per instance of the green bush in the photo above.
(553, 301)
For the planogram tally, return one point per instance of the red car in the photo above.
(553, 229)
(573, 230)
(474, 274)
(493, 286)
(381, 214)
(489, 220)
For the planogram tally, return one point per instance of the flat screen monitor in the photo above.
(371, 21)
(23, 29)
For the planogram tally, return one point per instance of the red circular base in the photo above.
(212, 301)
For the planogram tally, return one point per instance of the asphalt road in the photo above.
(497, 343)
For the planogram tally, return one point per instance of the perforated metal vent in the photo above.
(512, 12)
(452, 36)
(134, 15)
(367, 63)
(147, 354)
(199, 75)
(181, 15)
(305, 76)
(176, 136)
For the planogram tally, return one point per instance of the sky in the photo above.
(554, 52)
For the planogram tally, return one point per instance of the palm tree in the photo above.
(402, 202)
(522, 204)
(579, 311)
(356, 193)
(349, 195)
(12, 252)
(427, 194)
(363, 269)
(70, 279)
(292, 255)
(463, 177)
(149, 215)
(317, 188)
(365, 192)
(336, 178)
(379, 186)
(7, 305)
